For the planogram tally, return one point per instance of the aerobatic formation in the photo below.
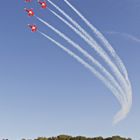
(115, 78)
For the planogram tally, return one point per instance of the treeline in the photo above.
(66, 137)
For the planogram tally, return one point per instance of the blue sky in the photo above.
(45, 92)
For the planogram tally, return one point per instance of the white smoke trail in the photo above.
(86, 54)
(120, 98)
(119, 76)
(126, 35)
(110, 49)
(90, 68)
(98, 49)
(90, 43)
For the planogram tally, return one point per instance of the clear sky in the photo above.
(45, 92)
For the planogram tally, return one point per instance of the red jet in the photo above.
(29, 11)
(43, 4)
(33, 27)
(28, 0)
